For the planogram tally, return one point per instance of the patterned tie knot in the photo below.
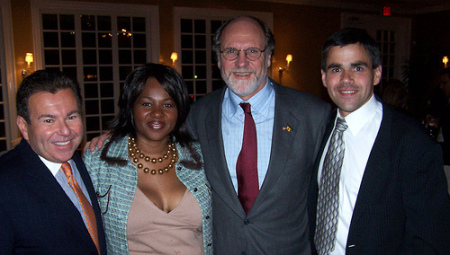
(67, 170)
(341, 125)
(246, 107)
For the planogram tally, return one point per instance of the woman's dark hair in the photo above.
(172, 82)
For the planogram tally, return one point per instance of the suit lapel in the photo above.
(41, 180)
(220, 176)
(285, 128)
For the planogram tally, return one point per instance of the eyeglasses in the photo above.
(252, 54)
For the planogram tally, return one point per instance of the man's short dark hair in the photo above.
(43, 81)
(347, 36)
(270, 39)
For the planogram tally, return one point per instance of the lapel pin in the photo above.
(287, 127)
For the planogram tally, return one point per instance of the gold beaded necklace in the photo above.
(136, 154)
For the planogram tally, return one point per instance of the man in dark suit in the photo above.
(47, 202)
(390, 190)
(289, 128)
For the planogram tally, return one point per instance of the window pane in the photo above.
(88, 40)
(200, 41)
(51, 39)
(68, 39)
(200, 87)
(190, 86)
(124, 71)
(106, 90)
(106, 73)
(140, 57)
(87, 22)
(3, 144)
(49, 21)
(107, 106)
(200, 26)
(139, 41)
(216, 72)
(215, 24)
(186, 26)
(188, 72)
(187, 57)
(92, 123)
(138, 24)
(104, 23)
(104, 41)
(124, 40)
(90, 73)
(200, 72)
(124, 23)
(69, 57)
(200, 57)
(186, 41)
(51, 57)
(71, 72)
(124, 56)
(105, 56)
(67, 22)
(91, 107)
(90, 90)
(89, 57)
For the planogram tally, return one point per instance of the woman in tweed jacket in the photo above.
(149, 176)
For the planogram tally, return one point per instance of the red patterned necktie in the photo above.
(88, 212)
(246, 166)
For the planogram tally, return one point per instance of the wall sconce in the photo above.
(286, 68)
(28, 59)
(445, 61)
(174, 57)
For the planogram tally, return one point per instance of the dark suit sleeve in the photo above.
(6, 234)
(426, 203)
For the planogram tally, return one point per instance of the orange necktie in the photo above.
(85, 205)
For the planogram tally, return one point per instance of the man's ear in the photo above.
(23, 126)
(269, 60)
(324, 78)
(377, 75)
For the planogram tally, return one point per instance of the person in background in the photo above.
(47, 203)
(379, 185)
(395, 94)
(149, 176)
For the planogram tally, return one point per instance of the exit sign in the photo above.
(387, 11)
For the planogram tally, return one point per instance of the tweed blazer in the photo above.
(115, 187)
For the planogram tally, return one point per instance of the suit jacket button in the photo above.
(246, 222)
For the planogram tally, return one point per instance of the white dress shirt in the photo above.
(363, 125)
(233, 117)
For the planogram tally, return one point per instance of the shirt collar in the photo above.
(358, 118)
(259, 102)
(52, 166)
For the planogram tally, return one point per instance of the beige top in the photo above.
(153, 231)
